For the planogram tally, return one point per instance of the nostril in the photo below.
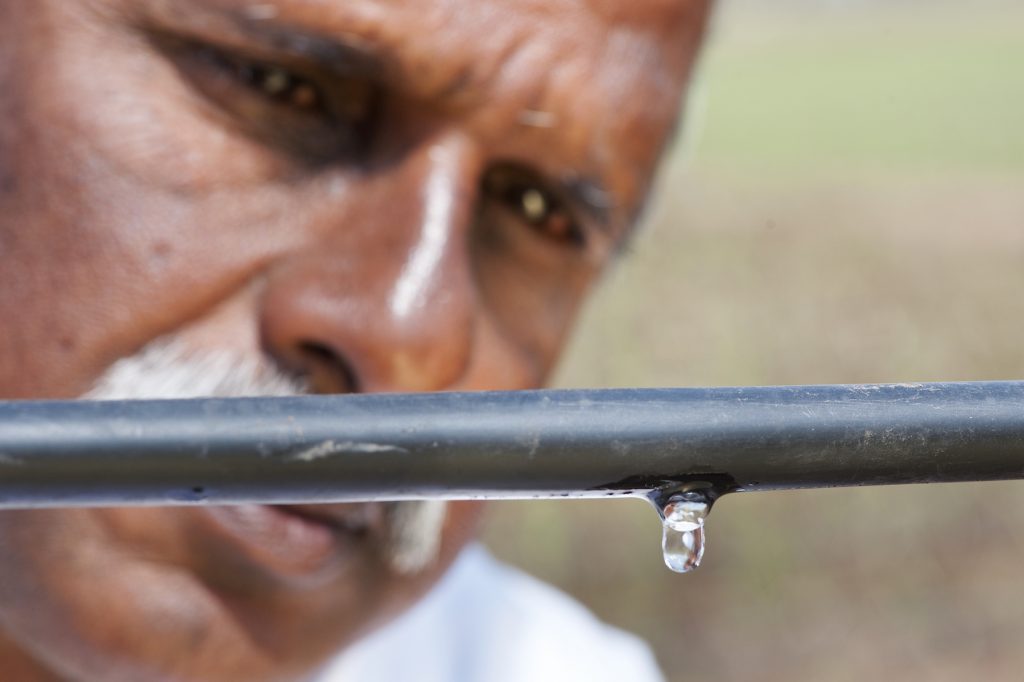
(320, 352)
(327, 370)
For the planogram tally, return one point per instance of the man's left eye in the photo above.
(545, 214)
(518, 192)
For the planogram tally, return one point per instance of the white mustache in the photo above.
(168, 369)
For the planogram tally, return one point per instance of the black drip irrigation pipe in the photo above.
(513, 445)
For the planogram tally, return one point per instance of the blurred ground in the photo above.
(852, 210)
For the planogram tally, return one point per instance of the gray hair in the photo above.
(168, 368)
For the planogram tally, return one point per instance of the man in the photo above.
(221, 197)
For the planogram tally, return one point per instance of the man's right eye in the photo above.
(281, 85)
(314, 116)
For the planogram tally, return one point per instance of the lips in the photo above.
(297, 542)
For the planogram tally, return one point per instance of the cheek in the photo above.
(91, 607)
(117, 265)
(120, 211)
(461, 524)
(530, 289)
(141, 117)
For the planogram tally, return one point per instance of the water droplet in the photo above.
(682, 536)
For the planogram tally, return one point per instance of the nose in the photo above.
(383, 301)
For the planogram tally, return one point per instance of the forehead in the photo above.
(651, 13)
(493, 35)
(606, 68)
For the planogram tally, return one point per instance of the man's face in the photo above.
(355, 194)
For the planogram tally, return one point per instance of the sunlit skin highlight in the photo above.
(375, 196)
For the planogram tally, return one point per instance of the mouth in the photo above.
(296, 542)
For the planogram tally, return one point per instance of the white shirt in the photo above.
(487, 622)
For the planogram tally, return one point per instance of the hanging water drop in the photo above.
(682, 535)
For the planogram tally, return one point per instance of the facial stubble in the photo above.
(169, 369)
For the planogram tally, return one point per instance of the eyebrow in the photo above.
(348, 53)
(343, 54)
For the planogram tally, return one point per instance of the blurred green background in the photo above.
(846, 205)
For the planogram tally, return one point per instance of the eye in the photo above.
(545, 214)
(525, 196)
(282, 86)
(312, 113)
(348, 100)
(277, 84)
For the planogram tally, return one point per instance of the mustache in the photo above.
(169, 369)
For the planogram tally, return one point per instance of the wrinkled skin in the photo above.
(376, 227)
